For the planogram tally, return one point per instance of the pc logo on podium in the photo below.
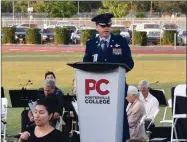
(101, 95)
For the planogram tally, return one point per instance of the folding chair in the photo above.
(75, 106)
(151, 122)
(142, 120)
(180, 91)
(59, 124)
(164, 120)
(4, 105)
(153, 119)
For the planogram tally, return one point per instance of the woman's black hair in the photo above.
(50, 103)
(48, 73)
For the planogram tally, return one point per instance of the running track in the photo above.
(78, 48)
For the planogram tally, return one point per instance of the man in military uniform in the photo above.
(111, 49)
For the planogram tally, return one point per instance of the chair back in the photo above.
(180, 90)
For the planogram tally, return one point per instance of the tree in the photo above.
(88, 6)
(60, 9)
(142, 6)
(6, 6)
(171, 7)
(118, 8)
(21, 6)
(183, 6)
(38, 6)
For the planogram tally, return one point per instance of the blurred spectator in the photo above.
(134, 114)
(4, 103)
(150, 102)
(49, 90)
(51, 75)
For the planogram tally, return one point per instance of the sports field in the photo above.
(18, 67)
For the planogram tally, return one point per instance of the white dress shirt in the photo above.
(151, 105)
(106, 39)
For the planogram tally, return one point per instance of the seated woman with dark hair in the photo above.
(50, 75)
(44, 131)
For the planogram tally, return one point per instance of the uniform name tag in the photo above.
(117, 51)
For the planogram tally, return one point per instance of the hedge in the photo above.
(33, 36)
(8, 35)
(115, 32)
(140, 38)
(87, 34)
(140, 15)
(61, 36)
(168, 37)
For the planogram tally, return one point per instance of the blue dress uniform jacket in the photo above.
(118, 51)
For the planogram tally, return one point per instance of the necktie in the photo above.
(104, 45)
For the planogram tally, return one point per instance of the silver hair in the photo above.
(132, 90)
(137, 95)
(50, 83)
(143, 84)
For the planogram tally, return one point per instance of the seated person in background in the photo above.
(4, 103)
(51, 75)
(49, 90)
(44, 131)
(150, 102)
(134, 114)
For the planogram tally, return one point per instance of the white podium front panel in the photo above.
(100, 99)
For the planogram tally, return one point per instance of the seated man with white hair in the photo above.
(49, 90)
(135, 113)
(150, 102)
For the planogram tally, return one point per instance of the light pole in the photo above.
(151, 9)
(131, 9)
(13, 10)
(78, 7)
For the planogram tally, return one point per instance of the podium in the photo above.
(100, 89)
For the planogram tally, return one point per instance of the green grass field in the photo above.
(18, 67)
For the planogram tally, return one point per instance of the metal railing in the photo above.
(180, 21)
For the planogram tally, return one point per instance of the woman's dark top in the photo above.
(53, 136)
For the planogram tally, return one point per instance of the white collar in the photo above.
(148, 97)
(108, 39)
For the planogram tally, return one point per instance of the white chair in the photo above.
(164, 120)
(4, 105)
(180, 91)
(153, 119)
(142, 119)
(75, 106)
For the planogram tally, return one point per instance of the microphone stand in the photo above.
(152, 84)
(28, 82)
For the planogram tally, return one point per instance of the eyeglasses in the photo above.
(104, 25)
